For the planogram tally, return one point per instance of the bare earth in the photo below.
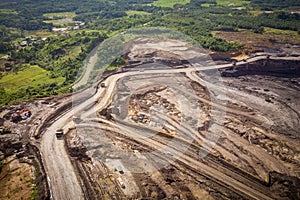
(168, 129)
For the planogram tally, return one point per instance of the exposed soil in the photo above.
(266, 42)
(16, 179)
(22, 161)
(258, 144)
(135, 147)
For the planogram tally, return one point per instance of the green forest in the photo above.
(30, 43)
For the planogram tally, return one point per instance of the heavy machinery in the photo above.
(102, 85)
(59, 133)
(122, 184)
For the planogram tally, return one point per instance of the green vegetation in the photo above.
(55, 59)
(116, 64)
(60, 15)
(45, 68)
(31, 82)
(232, 2)
(30, 76)
(8, 11)
(135, 12)
(275, 4)
(34, 194)
(170, 3)
(205, 5)
(64, 19)
(284, 33)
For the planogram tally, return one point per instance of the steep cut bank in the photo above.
(270, 67)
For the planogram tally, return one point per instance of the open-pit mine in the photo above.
(170, 124)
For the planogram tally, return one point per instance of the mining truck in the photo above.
(59, 133)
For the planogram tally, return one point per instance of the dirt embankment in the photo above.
(23, 174)
(269, 41)
(271, 89)
(18, 146)
(278, 68)
(246, 150)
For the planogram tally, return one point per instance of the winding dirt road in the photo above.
(62, 178)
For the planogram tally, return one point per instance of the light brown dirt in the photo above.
(17, 180)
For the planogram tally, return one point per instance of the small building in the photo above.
(24, 43)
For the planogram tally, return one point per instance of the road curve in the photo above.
(60, 172)
(90, 65)
(62, 179)
(225, 177)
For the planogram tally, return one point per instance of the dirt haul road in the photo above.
(64, 183)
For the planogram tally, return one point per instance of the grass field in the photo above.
(170, 3)
(73, 53)
(31, 76)
(8, 11)
(60, 14)
(232, 2)
(284, 35)
(135, 12)
(65, 18)
(40, 33)
(206, 5)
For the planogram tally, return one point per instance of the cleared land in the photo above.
(17, 180)
(153, 130)
(232, 2)
(170, 3)
(61, 18)
(271, 40)
(60, 15)
(156, 124)
(8, 11)
(135, 12)
(142, 121)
